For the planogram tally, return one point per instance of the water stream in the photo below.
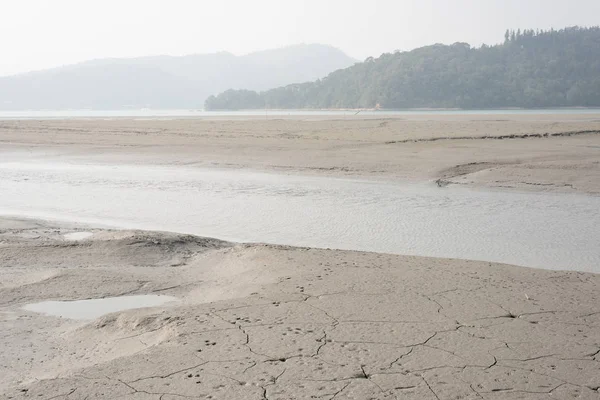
(553, 231)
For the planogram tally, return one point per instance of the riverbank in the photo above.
(540, 230)
(260, 321)
(545, 152)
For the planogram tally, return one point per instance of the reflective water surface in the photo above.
(76, 236)
(94, 308)
(551, 231)
(173, 113)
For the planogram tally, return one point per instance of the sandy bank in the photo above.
(274, 322)
(528, 152)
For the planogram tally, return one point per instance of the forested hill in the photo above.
(556, 68)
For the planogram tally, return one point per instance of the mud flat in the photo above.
(546, 152)
(256, 321)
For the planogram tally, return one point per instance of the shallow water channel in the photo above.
(554, 231)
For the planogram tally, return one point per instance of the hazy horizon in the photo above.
(40, 34)
(136, 57)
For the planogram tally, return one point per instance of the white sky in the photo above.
(36, 34)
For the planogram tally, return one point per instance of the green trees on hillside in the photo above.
(555, 68)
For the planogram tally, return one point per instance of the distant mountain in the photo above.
(556, 68)
(166, 81)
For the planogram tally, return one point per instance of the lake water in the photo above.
(551, 231)
(170, 114)
(94, 308)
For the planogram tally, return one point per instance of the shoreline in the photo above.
(90, 225)
(246, 206)
(286, 321)
(383, 111)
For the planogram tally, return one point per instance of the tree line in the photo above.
(530, 69)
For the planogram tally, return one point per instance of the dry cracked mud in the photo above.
(258, 321)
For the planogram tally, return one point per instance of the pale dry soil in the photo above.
(270, 322)
(559, 153)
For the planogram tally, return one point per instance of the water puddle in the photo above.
(94, 308)
(76, 236)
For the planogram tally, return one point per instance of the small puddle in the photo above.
(92, 309)
(77, 235)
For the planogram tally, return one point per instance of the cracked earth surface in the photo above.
(275, 323)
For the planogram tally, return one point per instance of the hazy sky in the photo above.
(36, 34)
